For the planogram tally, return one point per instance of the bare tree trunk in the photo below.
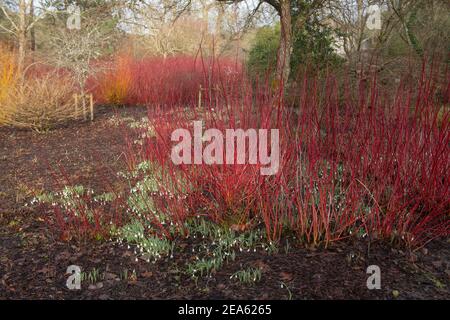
(22, 37)
(360, 8)
(205, 17)
(285, 48)
(219, 22)
(32, 31)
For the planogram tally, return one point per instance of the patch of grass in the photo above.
(247, 276)
(92, 276)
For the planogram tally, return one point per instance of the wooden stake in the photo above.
(91, 106)
(84, 107)
(200, 97)
(217, 96)
(75, 96)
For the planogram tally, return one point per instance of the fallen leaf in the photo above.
(262, 265)
(285, 276)
(147, 274)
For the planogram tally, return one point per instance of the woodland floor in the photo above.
(33, 261)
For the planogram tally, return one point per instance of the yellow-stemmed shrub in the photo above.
(7, 76)
(40, 103)
(115, 85)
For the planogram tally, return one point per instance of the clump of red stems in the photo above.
(353, 162)
(171, 81)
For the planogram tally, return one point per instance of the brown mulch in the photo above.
(33, 261)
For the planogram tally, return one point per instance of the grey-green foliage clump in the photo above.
(145, 128)
(70, 198)
(213, 246)
(76, 199)
(144, 184)
(150, 247)
(218, 245)
(248, 276)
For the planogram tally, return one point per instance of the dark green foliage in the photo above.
(313, 47)
(263, 53)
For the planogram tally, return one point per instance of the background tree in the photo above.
(20, 17)
(313, 46)
(77, 50)
(293, 15)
